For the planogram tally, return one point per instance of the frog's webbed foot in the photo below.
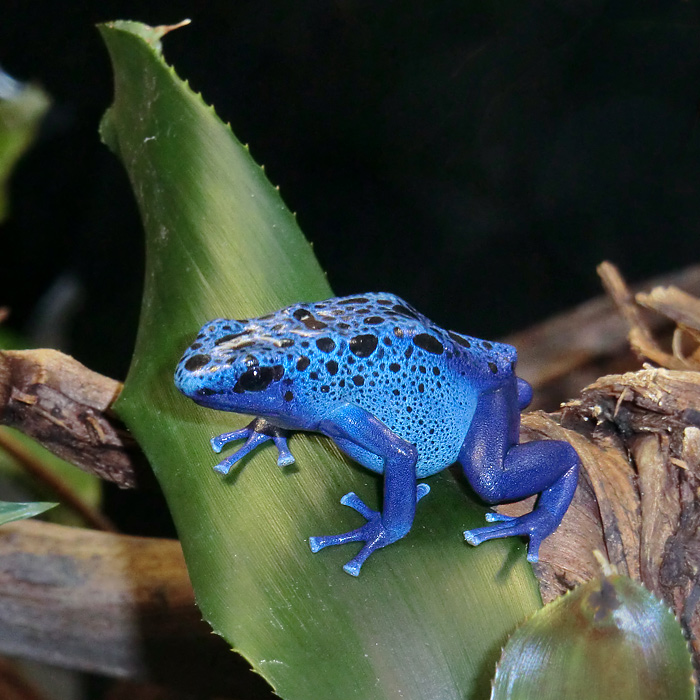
(255, 433)
(537, 525)
(373, 533)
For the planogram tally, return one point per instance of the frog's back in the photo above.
(380, 353)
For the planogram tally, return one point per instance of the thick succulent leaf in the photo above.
(610, 639)
(21, 110)
(19, 511)
(427, 615)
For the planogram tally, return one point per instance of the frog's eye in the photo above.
(255, 379)
(258, 378)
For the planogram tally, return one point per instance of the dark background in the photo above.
(478, 158)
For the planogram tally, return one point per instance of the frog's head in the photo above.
(232, 366)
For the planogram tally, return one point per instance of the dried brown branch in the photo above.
(638, 436)
(111, 604)
(66, 407)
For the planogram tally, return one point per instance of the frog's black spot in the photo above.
(341, 383)
(421, 388)
(486, 345)
(320, 306)
(404, 310)
(277, 327)
(409, 352)
(196, 362)
(325, 344)
(363, 345)
(205, 392)
(436, 371)
(493, 367)
(422, 369)
(353, 300)
(387, 341)
(332, 367)
(359, 312)
(258, 378)
(314, 325)
(304, 343)
(195, 346)
(201, 336)
(394, 367)
(313, 375)
(226, 328)
(327, 318)
(351, 360)
(232, 360)
(277, 373)
(288, 396)
(286, 343)
(245, 344)
(358, 380)
(398, 332)
(385, 302)
(409, 409)
(307, 318)
(325, 388)
(303, 362)
(344, 326)
(459, 340)
(374, 320)
(429, 343)
(395, 392)
(211, 329)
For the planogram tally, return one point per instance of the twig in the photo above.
(66, 495)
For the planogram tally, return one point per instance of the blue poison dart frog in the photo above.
(396, 393)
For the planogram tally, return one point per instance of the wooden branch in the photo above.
(111, 604)
(66, 407)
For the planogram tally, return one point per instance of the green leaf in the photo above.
(20, 511)
(22, 108)
(609, 639)
(428, 614)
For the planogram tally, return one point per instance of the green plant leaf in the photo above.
(609, 639)
(428, 614)
(20, 511)
(22, 108)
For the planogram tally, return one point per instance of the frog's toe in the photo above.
(285, 457)
(218, 442)
(536, 525)
(352, 500)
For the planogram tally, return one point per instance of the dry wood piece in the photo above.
(111, 604)
(66, 407)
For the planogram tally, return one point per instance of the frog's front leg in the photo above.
(256, 433)
(499, 470)
(355, 430)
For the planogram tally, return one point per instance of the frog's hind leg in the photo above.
(256, 433)
(349, 425)
(499, 470)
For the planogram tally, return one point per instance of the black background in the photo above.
(477, 158)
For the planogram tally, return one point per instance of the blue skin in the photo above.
(397, 394)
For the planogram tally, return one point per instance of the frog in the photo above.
(396, 393)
